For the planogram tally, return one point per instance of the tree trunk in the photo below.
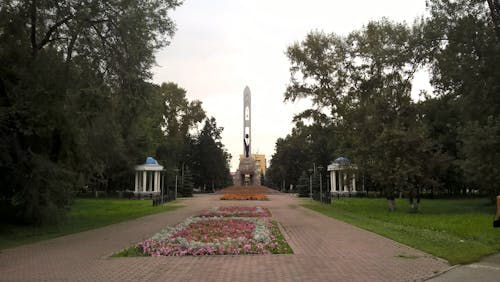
(417, 205)
(33, 19)
(412, 202)
(391, 204)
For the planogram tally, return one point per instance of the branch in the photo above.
(33, 27)
(51, 30)
(70, 47)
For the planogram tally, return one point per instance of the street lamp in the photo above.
(310, 182)
(162, 185)
(176, 171)
(320, 168)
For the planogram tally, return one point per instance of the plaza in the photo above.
(324, 249)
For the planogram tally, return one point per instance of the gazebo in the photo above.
(342, 176)
(148, 180)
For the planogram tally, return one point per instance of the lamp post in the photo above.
(162, 185)
(320, 168)
(310, 182)
(176, 171)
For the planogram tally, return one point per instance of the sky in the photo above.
(221, 46)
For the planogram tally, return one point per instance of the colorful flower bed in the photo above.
(217, 232)
(257, 197)
(237, 212)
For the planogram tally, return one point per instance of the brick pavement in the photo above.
(325, 249)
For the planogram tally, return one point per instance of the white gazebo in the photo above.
(148, 178)
(342, 176)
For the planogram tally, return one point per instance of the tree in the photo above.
(186, 183)
(211, 160)
(463, 39)
(303, 185)
(481, 155)
(179, 116)
(364, 82)
(72, 86)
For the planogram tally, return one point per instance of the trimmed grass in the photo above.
(85, 214)
(458, 230)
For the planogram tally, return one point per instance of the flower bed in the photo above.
(237, 212)
(257, 197)
(217, 232)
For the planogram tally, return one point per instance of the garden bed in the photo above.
(254, 197)
(218, 231)
(236, 212)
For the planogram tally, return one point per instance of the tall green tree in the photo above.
(463, 40)
(179, 116)
(72, 89)
(363, 83)
(211, 159)
(480, 145)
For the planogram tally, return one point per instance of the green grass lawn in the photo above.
(459, 231)
(85, 214)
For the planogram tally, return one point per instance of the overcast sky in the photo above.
(221, 46)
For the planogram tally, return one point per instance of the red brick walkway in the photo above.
(324, 250)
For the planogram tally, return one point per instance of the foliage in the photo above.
(480, 147)
(84, 214)
(459, 231)
(303, 185)
(72, 93)
(300, 151)
(360, 87)
(186, 187)
(76, 109)
(211, 158)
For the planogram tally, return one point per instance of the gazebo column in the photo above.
(144, 181)
(333, 181)
(157, 182)
(153, 188)
(340, 181)
(136, 182)
(150, 184)
(344, 180)
(353, 182)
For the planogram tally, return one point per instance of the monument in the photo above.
(247, 170)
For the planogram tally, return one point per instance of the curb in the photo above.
(442, 272)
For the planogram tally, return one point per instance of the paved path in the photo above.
(486, 270)
(325, 249)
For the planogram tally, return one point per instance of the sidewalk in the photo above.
(325, 249)
(486, 270)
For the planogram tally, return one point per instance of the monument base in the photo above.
(247, 172)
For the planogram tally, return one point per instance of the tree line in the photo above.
(78, 110)
(360, 84)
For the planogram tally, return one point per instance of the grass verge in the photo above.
(458, 230)
(85, 214)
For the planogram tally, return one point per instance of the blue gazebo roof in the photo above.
(342, 160)
(151, 161)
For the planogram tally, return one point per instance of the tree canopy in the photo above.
(77, 110)
(360, 85)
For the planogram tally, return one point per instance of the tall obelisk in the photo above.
(247, 167)
(247, 122)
